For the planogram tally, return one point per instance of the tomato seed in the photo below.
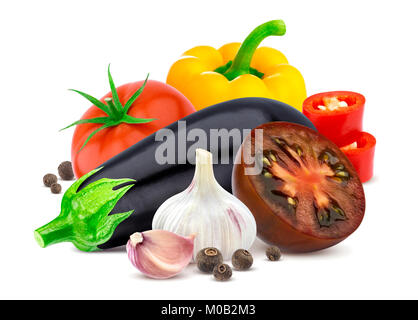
(266, 162)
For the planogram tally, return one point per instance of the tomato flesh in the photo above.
(307, 189)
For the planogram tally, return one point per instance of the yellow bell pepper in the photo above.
(207, 76)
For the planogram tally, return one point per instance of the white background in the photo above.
(50, 46)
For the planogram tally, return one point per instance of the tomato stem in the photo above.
(113, 110)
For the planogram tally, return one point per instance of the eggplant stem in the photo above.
(58, 230)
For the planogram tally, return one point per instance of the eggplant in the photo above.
(122, 196)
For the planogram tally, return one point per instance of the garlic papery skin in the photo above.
(160, 254)
(218, 218)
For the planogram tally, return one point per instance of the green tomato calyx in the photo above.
(116, 113)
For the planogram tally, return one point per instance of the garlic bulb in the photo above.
(217, 218)
(160, 254)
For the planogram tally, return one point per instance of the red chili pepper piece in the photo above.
(361, 154)
(340, 124)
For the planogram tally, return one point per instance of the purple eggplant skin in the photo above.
(155, 183)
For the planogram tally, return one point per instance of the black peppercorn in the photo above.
(208, 258)
(50, 179)
(273, 253)
(242, 259)
(222, 272)
(56, 188)
(65, 170)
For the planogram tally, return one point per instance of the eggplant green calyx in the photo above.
(84, 219)
(116, 113)
(241, 63)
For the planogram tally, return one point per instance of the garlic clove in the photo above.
(218, 218)
(160, 254)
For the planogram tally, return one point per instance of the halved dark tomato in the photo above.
(308, 195)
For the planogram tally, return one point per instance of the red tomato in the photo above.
(158, 100)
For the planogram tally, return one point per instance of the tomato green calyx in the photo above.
(116, 113)
(241, 64)
(85, 218)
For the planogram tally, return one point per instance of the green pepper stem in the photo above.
(242, 61)
(58, 230)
